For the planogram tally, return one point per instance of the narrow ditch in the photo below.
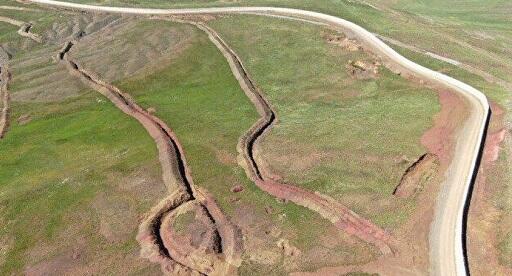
(338, 214)
(176, 176)
(417, 175)
(5, 77)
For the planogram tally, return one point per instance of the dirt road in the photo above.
(447, 236)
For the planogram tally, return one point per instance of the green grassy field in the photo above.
(406, 21)
(380, 119)
(203, 103)
(335, 134)
(82, 176)
(54, 168)
(7, 32)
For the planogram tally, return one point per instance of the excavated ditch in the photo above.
(5, 76)
(417, 175)
(24, 29)
(330, 209)
(223, 237)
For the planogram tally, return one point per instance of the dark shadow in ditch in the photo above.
(467, 204)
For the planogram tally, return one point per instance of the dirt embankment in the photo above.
(330, 209)
(24, 29)
(222, 254)
(417, 175)
(5, 76)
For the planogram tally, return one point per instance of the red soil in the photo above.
(494, 139)
(439, 139)
(485, 219)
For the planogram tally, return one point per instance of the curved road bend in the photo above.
(447, 235)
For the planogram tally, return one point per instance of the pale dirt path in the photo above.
(447, 238)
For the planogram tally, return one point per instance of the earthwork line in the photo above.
(5, 75)
(452, 218)
(24, 29)
(328, 208)
(177, 178)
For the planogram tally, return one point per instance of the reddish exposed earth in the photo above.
(438, 139)
(5, 76)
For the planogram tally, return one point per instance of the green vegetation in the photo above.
(181, 222)
(493, 91)
(53, 169)
(7, 32)
(405, 20)
(205, 106)
(335, 134)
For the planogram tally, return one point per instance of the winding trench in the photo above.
(338, 214)
(448, 255)
(24, 29)
(223, 236)
(5, 75)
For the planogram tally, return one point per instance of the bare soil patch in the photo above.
(417, 175)
(438, 139)
(24, 119)
(118, 218)
(363, 69)
(343, 41)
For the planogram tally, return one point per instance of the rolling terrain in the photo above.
(346, 142)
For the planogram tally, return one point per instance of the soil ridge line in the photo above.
(341, 216)
(177, 178)
(5, 77)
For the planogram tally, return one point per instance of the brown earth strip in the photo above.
(419, 173)
(328, 208)
(24, 28)
(5, 76)
(177, 178)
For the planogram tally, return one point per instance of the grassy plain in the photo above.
(205, 106)
(469, 33)
(55, 169)
(335, 134)
(406, 21)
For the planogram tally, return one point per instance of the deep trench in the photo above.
(269, 117)
(157, 221)
(264, 123)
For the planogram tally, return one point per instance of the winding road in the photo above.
(447, 235)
